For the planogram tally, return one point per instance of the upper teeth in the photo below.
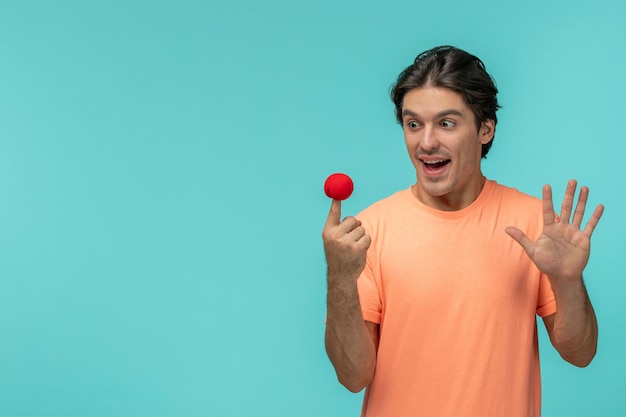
(435, 162)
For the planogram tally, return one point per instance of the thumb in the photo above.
(334, 215)
(520, 237)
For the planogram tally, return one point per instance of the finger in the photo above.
(364, 242)
(334, 215)
(568, 201)
(548, 208)
(348, 224)
(593, 221)
(580, 207)
(521, 238)
(357, 233)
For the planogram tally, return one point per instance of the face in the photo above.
(444, 145)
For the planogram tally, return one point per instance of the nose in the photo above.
(429, 139)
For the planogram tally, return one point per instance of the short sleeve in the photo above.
(369, 296)
(546, 304)
(369, 293)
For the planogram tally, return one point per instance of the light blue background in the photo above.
(161, 170)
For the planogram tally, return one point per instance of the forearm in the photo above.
(348, 342)
(575, 329)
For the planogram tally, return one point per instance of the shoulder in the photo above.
(512, 197)
(396, 201)
(512, 207)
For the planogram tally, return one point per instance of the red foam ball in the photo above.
(338, 186)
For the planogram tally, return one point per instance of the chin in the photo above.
(435, 185)
(435, 190)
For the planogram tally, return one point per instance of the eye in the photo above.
(447, 124)
(412, 124)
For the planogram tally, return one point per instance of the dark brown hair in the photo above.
(457, 70)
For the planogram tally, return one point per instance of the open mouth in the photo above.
(436, 164)
(435, 167)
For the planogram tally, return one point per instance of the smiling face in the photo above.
(444, 145)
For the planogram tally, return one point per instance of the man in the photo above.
(433, 292)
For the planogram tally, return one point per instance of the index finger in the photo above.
(334, 215)
(548, 208)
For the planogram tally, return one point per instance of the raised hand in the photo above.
(350, 342)
(345, 243)
(562, 249)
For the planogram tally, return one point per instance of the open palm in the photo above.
(562, 249)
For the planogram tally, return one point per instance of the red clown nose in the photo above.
(338, 186)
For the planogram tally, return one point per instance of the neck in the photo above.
(452, 201)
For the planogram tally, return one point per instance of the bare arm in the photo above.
(573, 329)
(562, 252)
(350, 341)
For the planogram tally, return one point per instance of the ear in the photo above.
(487, 130)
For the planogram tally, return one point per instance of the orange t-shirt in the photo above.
(456, 299)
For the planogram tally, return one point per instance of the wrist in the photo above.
(342, 275)
(567, 287)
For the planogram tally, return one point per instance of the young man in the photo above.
(433, 292)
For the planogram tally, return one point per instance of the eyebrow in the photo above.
(448, 112)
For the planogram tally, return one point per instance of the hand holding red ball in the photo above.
(338, 186)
